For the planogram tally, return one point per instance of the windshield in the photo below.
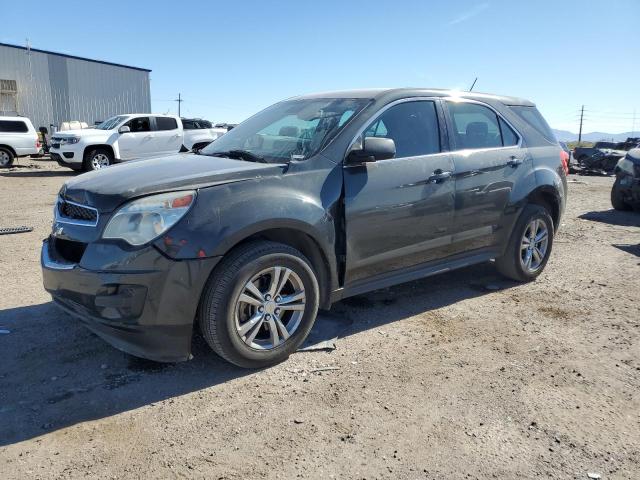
(289, 130)
(111, 123)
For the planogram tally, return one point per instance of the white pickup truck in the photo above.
(127, 137)
(18, 138)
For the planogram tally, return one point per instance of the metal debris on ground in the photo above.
(323, 369)
(594, 476)
(9, 230)
(324, 345)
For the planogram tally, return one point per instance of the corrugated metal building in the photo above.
(51, 88)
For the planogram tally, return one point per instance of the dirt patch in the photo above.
(465, 375)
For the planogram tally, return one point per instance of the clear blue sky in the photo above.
(232, 58)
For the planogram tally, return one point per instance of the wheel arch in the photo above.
(547, 196)
(10, 148)
(299, 236)
(104, 146)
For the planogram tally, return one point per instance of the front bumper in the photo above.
(629, 188)
(143, 303)
(69, 156)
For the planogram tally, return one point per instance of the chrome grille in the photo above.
(76, 213)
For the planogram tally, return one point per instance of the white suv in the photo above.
(18, 138)
(123, 137)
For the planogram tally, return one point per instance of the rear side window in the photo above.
(475, 126)
(413, 126)
(532, 116)
(13, 126)
(509, 137)
(166, 123)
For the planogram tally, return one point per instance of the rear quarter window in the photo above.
(532, 116)
(13, 126)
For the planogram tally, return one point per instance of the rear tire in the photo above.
(242, 317)
(520, 262)
(6, 157)
(617, 200)
(97, 159)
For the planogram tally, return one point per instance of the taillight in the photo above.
(564, 157)
(37, 144)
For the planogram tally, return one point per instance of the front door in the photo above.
(399, 212)
(489, 160)
(138, 142)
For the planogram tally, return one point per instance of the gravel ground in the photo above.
(465, 375)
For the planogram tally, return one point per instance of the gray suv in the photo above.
(312, 200)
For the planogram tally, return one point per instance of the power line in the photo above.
(179, 100)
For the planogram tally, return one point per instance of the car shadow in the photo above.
(55, 373)
(613, 217)
(632, 249)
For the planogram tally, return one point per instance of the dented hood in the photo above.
(107, 189)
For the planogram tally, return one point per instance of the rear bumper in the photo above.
(144, 304)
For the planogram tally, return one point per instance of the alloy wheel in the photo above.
(534, 245)
(99, 160)
(4, 158)
(270, 308)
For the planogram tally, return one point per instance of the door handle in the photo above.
(514, 162)
(438, 176)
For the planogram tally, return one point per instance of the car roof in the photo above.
(2, 117)
(391, 93)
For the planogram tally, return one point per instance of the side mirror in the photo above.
(373, 149)
(124, 129)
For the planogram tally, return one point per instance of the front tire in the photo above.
(530, 245)
(259, 304)
(97, 159)
(617, 200)
(6, 157)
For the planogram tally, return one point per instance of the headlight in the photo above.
(140, 221)
(69, 140)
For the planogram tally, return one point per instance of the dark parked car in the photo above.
(625, 193)
(312, 200)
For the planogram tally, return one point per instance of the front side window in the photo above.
(293, 129)
(413, 126)
(13, 126)
(475, 126)
(189, 124)
(139, 124)
(166, 123)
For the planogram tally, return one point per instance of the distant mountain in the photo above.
(567, 136)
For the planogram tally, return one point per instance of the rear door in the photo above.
(138, 142)
(168, 136)
(398, 213)
(489, 159)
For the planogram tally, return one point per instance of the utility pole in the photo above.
(179, 100)
(580, 132)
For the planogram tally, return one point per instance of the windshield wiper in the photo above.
(240, 154)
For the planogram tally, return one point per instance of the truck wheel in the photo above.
(529, 246)
(6, 157)
(617, 200)
(259, 304)
(97, 159)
